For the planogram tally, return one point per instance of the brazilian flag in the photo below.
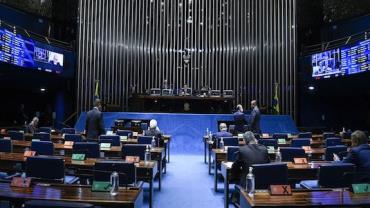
(96, 95)
(276, 99)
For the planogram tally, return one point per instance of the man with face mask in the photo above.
(94, 126)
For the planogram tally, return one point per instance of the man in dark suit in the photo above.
(239, 119)
(223, 132)
(153, 129)
(360, 152)
(249, 154)
(94, 121)
(255, 118)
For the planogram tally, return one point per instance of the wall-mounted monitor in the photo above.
(343, 61)
(25, 52)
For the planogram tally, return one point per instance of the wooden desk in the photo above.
(305, 199)
(71, 193)
(220, 155)
(295, 172)
(144, 171)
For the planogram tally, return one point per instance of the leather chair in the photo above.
(16, 135)
(114, 138)
(340, 150)
(269, 142)
(228, 141)
(55, 204)
(280, 136)
(90, 149)
(73, 137)
(300, 142)
(270, 174)
(68, 131)
(126, 171)
(43, 147)
(127, 133)
(331, 175)
(289, 153)
(44, 130)
(5, 145)
(333, 142)
(42, 136)
(305, 135)
(326, 135)
(232, 153)
(134, 150)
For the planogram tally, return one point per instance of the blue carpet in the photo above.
(187, 184)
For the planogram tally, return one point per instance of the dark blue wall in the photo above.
(335, 102)
(29, 22)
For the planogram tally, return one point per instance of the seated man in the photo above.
(249, 154)
(360, 152)
(223, 132)
(33, 126)
(154, 131)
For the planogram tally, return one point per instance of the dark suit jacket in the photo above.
(255, 120)
(249, 155)
(157, 134)
(239, 120)
(94, 124)
(360, 156)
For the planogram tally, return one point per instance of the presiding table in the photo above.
(128, 198)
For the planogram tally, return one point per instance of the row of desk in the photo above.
(296, 172)
(146, 172)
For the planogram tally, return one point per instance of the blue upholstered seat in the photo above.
(269, 142)
(42, 136)
(16, 135)
(126, 171)
(5, 145)
(73, 137)
(68, 131)
(42, 147)
(90, 149)
(300, 142)
(114, 138)
(134, 150)
(332, 141)
(340, 150)
(289, 153)
(270, 174)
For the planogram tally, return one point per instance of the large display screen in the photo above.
(342, 61)
(25, 52)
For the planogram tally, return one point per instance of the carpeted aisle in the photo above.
(187, 184)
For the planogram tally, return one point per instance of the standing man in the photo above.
(255, 118)
(94, 121)
(239, 119)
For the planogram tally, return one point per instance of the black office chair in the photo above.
(44, 130)
(228, 141)
(5, 145)
(346, 135)
(68, 131)
(48, 168)
(16, 135)
(55, 204)
(305, 135)
(333, 142)
(280, 136)
(269, 142)
(42, 136)
(114, 138)
(127, 133)
(126, 171)
(270, 174)
(43, 147)
(289, 153)
(326, 135)
(300, 142)
(340, 150)
(144, 126)
(331, 175)
(134, 150)
(90, 149)
(73, 137)
(232, 153)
